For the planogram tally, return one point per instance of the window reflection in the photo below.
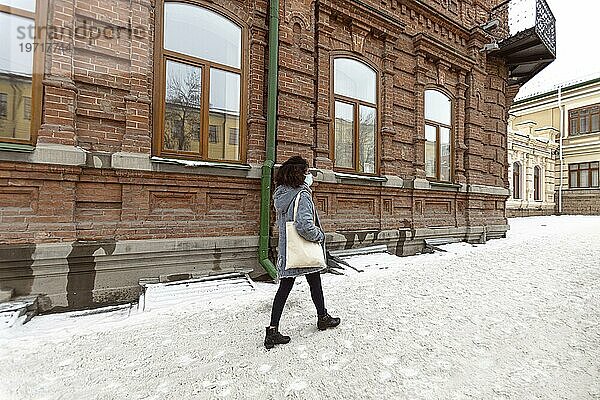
(437, 107)
(444, 154)
(354, 79)
(201, 33)
(16, 70)
(344, 135)
(182, 107)
(431, 151)
(224, 113)
(27, 5)
(367, 140)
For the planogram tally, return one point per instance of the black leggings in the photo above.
(285, 287)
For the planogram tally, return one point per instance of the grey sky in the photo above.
(577, 45)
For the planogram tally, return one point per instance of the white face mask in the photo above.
(308, 179)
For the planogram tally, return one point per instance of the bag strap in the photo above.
(297, 202)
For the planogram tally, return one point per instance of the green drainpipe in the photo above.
(267, 169)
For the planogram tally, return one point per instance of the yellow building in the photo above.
(223, 135)
(182, 131)
(567, 120)
(15, 106)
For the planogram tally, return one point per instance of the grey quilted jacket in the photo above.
(284, 206)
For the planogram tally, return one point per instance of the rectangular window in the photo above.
(234, 136)
(444, 154)
(594, 177)
(366, 139)
(3, 105)
(573, 124)
(584, 175)
(344, 135)
(584, 120)
(182, 108)
(224, 113)
(213, 134)
(431, 151)
(27, 108)
(18, 82)
(573, 179)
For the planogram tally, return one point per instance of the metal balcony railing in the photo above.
(525, 36)
(518, 16)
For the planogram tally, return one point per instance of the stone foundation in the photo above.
(581, 201)
(99, 273)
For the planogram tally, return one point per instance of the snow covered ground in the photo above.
(517, 318)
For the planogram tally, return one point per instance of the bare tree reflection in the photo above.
(367, 140)
(182, 111)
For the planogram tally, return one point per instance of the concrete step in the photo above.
(18, 311)
(6, 295)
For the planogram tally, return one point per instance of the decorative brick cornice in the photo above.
(440, 52)
(367, 15)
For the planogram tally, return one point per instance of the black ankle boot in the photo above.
(327, 321)
(273, 337)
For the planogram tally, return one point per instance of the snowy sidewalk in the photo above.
(517, 318)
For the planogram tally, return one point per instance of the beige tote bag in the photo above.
(301, 253)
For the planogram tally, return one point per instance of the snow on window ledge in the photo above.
(190, 163)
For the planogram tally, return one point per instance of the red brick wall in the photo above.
(41, 204)
(98, 100)
(98, 96)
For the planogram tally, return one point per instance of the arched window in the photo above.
(201, 113)
(516, 180)
(355, 116)
(537, 184)
(438, 136)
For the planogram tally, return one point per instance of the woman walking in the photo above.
(293, 179)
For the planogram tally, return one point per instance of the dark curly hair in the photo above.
(291, 173)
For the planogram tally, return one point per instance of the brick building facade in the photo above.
(115, 184)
